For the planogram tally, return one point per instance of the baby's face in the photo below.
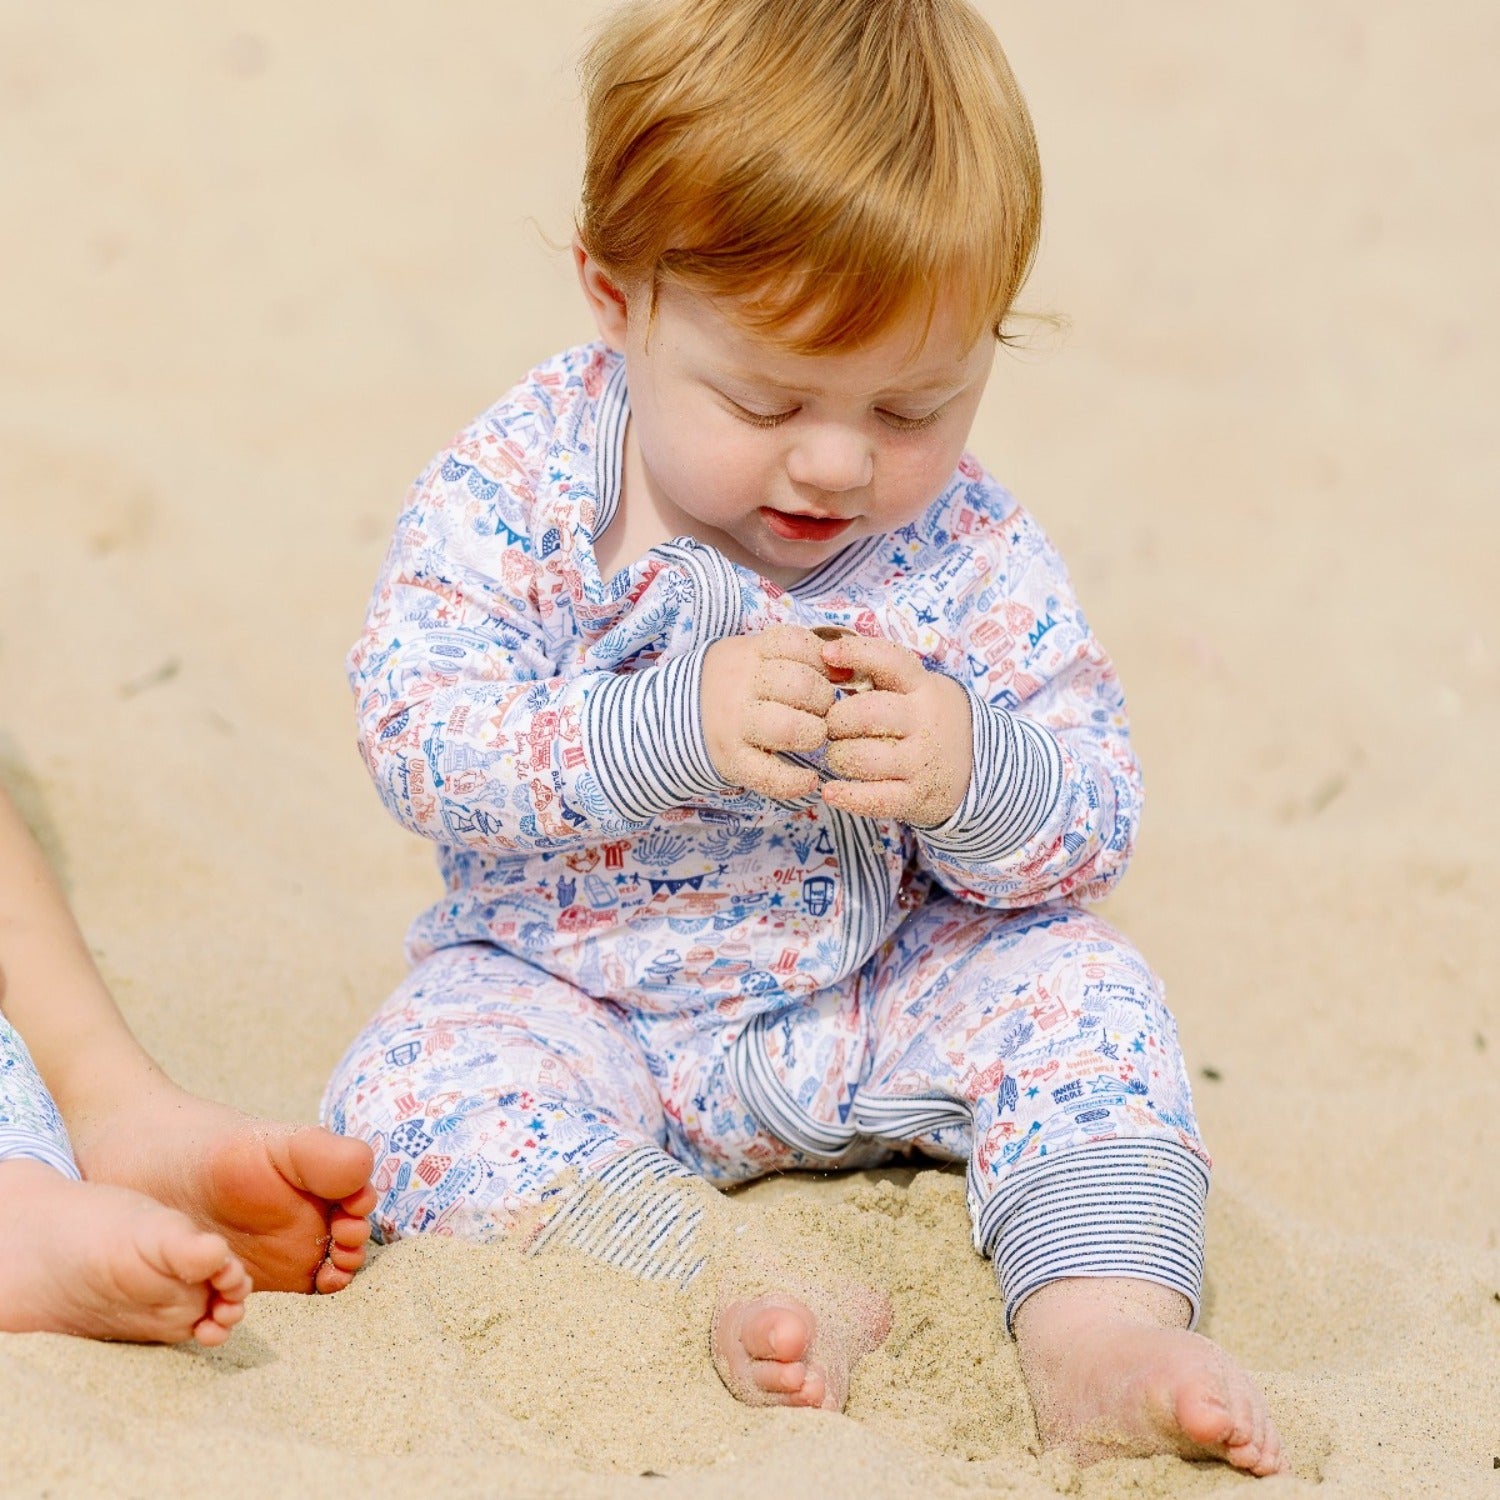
(782, 460)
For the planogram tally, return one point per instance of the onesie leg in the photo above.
(30, 1125)
(1036, 1046)
(498, 1099)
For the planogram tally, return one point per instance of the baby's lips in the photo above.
(843, 677)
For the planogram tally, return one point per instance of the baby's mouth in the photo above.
(802, 528)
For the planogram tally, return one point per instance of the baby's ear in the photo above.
(606, 300)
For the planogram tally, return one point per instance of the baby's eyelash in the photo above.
(910, 424)
(776, 418)
(762, 419)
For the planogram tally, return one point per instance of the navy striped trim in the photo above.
(612, 416)
(766, 1097)
(31, 1145)
(837, 569)
(1016, 785)
(1132, 1207)
(718, 609)
(640, 1214)
(867, 892)
(903, 1119)
(643, 733)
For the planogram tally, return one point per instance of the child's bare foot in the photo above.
(292, 1201)
(107, 1263)
(774, 1350)
(1113, 1371)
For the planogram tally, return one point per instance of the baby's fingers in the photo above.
(873, 715)
(778, 726)
(870, 760)
(771, 776)
(869, 799)
(886, 665)
(791, 643)
(795, 684)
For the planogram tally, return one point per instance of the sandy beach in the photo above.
(259, 264)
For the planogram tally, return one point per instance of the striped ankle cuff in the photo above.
(1132, 1207)
(33, 1146)
(640, 1213)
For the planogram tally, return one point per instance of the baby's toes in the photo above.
(790, 1383)
(188, 1255)
(778, 1378)
(332, 1278)
(346, 1258)
(773, 1332)
(358, 1205)
(232, 1281)
(348, 1236)
(210, 1332)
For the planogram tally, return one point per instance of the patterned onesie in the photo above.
(639, 972)
(30, 1126)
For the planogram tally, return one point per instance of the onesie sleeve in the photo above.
(471, 731)
(1052, 807)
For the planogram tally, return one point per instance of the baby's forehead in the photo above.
(924, 352)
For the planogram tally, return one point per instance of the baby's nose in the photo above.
(831, 459)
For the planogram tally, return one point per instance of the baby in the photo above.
(129, 1208)
(711, 914)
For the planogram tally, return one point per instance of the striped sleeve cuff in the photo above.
(1129, 1207)
(1016, 784)
(645, 742)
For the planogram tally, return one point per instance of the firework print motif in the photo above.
(639, 972)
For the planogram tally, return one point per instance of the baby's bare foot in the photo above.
(107, 1263)
(1113, 1371)
(292, 1201)
(774, 1350)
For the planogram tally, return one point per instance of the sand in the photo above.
(257, 266)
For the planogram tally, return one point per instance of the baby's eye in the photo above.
(905, 423)
(760, 418)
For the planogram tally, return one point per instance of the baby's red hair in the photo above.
(825, 166)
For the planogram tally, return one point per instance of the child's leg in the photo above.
(88, 1259)
(501, 1101)
(1037, 1046)
(498, 1100)
(289, 1200)
(786, 1332)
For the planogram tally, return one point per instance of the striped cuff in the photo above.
(644, 733)
(1016, 783)
(770, 1103)
(33, 1146)
(640, 1213)
(1132, 1207)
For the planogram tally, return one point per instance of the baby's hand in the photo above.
(902, 748)
(763, 694)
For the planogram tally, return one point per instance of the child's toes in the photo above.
(232, 1281)
(774, 1332)
(346, 1258)
(358, 1205)
(191, 1255)
(348, 1239)
(778, 1378)
(332, 1278)
(351, 1230)
(226, 1314)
